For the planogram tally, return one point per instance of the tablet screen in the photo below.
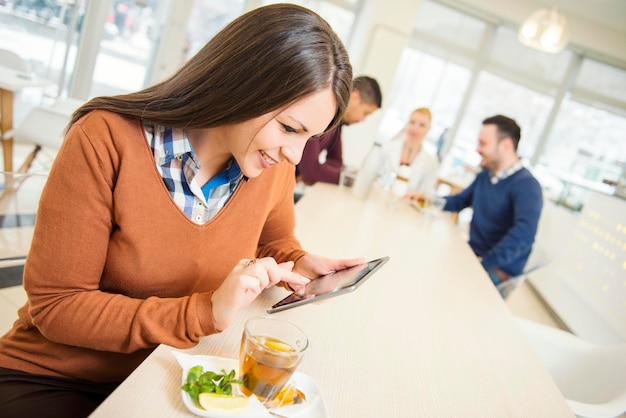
(330, 285)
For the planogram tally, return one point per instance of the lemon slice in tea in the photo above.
(279, 346)
(218, 402)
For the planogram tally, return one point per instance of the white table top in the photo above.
(13, 80)
(427, 336)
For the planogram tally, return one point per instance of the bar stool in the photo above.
(43, 127)
(591, 377)
(539, 257)
(12, 60)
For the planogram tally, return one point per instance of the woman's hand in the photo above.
(245, 282)
(313, 266)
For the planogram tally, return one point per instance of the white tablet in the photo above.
(330, 285)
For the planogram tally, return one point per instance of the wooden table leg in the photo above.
(6, 124)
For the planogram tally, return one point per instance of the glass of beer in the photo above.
(271, 350)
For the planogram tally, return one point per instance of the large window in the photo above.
(207, 18)
(586, 148)
(525, 66)
(423, 80)
(340, 14)
(433, 71)
(132, 34)
(45, 35)
(495, 95)
(587, 143)
(456, 35)
(601, 84)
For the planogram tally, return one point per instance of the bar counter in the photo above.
(426, 336)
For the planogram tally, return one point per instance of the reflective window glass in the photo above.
(339, 14)
(527, 66)
(495, 95)
(602, 82)
(452, 28)
(587, 143)
(424, 81)
(44, 35)
(207, 18)
(131, 36)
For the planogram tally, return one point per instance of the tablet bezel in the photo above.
(361, 276)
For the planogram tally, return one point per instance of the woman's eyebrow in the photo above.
(304, 128)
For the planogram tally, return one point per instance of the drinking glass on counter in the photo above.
(271, 350)
(434, 205)
(347, 176)
(430, 204)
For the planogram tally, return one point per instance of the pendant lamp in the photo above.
(545, 30)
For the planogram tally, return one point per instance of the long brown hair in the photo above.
(265, 59)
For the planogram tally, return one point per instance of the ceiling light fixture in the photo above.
(546, 30)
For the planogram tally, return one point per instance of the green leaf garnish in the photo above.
(198, 381)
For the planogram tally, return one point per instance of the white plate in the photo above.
(313, 407)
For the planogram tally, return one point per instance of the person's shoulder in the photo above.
(526, 187)
(97, 119)
(107, 129)
(525, 175)
(331, 134)
(101, 114)
(482, 175)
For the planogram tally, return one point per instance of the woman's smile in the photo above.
(266, 160)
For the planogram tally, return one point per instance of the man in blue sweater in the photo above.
(506, 201)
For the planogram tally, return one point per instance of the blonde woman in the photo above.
(407, 148)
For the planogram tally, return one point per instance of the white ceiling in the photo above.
(605, 12)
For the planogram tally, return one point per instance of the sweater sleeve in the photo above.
(461, 200)
(311, 170)
(527, 204)
(68, 255)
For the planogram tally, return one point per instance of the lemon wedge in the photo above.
(218, 402)
(278, 346)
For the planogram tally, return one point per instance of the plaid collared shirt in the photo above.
(495, 178)
(178, 165)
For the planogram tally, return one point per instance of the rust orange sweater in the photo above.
(115, 268)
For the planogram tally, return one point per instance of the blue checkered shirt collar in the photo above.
(495, 178)
(178, 165)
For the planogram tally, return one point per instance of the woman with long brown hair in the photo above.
(169, 209)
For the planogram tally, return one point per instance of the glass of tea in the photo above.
(271, 350)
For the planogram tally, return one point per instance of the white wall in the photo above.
(585, 283)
